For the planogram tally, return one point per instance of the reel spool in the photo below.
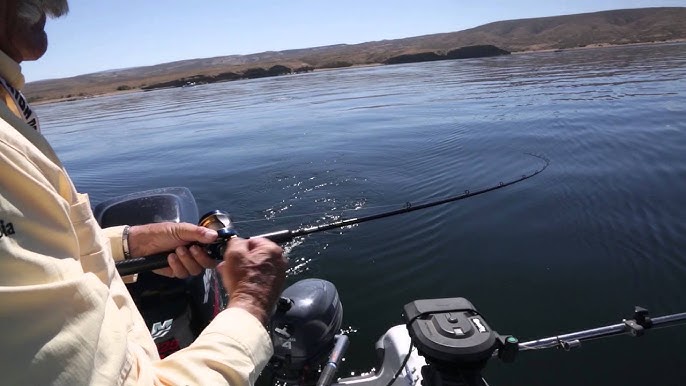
(219, 221)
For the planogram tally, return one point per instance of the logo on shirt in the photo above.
(6, 229)
(29, 115)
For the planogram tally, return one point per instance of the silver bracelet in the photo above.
(125, 242)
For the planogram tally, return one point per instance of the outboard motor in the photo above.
(303, 330)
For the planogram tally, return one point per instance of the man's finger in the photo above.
(190, 232)
(267, 246)
(189, 263)
(235, 248)
(176, 266)
(202, 257)
(168, 272)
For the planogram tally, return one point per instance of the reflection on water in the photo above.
(601, 230)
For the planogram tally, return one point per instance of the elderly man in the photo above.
(65, 315)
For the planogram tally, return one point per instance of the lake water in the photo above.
(601, 230)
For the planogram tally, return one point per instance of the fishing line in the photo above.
(220, 221)
(317, 213)
(368, 208)
(287, 234)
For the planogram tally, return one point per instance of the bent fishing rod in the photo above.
(220, 222)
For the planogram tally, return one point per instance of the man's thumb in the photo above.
(190, 232)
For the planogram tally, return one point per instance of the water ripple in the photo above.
(601, 230)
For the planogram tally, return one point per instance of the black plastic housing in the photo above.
(175, 204)
(303, 328)
(450, 330)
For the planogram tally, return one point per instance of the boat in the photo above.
(442, 341)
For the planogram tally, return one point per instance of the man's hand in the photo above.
(149, 239)
(253, 273)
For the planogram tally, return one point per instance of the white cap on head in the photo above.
(33, 10)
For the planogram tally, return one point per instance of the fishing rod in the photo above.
(220, 222)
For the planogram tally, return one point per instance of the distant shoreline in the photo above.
(619, 27)
(590, 46)
(600, 45)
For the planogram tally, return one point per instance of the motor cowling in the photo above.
(307, 318)
(455, 340)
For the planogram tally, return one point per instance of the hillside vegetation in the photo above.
(547, 33)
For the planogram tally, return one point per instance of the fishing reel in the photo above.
(219, 221)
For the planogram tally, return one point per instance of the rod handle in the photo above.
(142, 264)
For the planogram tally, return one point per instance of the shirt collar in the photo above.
(11, 71)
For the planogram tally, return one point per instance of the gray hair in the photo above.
(33, 10)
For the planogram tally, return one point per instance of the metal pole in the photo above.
(573, 339)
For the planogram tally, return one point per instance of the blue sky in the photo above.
(101, 35)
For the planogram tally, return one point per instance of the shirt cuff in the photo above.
(242, 327)
(114, 234)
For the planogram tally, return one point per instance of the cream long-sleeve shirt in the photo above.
(66, 317)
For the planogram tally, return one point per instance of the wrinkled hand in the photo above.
(187, 259)
(253, 273)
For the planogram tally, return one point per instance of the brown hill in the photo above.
(557, 32)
